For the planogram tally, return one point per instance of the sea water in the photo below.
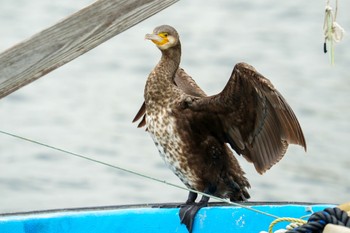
(87, 105)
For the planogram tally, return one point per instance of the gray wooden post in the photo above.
(70, 38)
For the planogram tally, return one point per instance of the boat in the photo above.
(217, 217)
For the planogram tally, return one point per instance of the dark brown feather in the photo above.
(257, 121)
(187, 84)
(140, 113)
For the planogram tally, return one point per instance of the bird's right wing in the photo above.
(139, 114)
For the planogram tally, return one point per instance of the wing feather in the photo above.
(139, 114)
(187, 84)
(257, 121)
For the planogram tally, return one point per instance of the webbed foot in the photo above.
(189, 210)
(188, 213)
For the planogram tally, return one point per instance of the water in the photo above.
(87, 105)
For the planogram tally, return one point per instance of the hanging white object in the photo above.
(333, 32)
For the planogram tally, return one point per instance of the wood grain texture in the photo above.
(70, 38)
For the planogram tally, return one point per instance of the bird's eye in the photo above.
(165, 34)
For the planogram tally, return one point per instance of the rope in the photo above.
(296, 221)
(319, 220)
(137, 174)
(333, 32)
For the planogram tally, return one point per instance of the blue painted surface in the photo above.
(146, 219)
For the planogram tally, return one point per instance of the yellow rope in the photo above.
(291, 220)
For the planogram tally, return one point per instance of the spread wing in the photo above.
(256, 120)
(185, 83)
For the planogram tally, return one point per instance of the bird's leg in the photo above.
(188, 212)
(192, 196)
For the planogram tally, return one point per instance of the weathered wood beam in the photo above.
(70, 38)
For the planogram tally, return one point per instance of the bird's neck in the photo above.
(160, 85)
(170, 61)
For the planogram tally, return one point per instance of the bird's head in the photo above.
(164, 37)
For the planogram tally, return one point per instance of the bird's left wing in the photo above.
(256, 120)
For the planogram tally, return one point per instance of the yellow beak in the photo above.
(158, 40)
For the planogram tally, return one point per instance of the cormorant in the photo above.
(192, 131)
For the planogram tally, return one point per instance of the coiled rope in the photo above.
(294, 221)
(319, 220)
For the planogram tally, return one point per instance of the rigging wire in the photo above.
(135, 173)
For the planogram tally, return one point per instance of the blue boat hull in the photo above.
(153, 218)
